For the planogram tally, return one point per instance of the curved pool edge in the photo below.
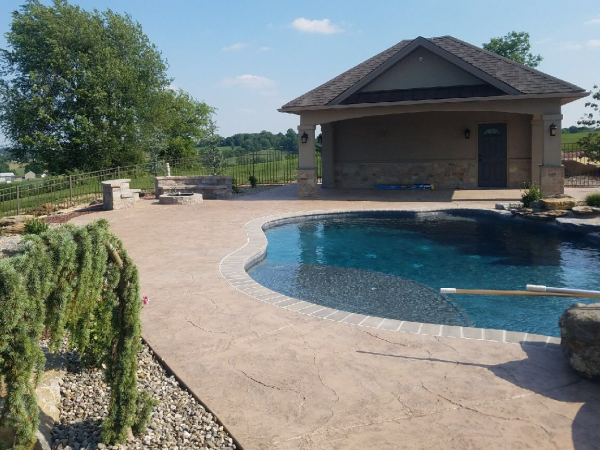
(233, 268)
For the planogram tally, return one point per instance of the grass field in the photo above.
(571, 138)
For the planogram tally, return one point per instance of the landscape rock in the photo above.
(508, 206)
(14, 220)
(580, 338)
(178, 421)
(545, 216)
(586, 211)
(564, 203)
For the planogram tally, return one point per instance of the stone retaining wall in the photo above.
(210, 186)
(455, 174)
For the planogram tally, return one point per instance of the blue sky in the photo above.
(247, 58)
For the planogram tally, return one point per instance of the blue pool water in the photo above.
(394, 266)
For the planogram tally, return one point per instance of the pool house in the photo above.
(438, 111)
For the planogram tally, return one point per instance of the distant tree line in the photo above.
(262, 141)
(574, 130)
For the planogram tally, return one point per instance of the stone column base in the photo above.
(552, 180)
(307, 183)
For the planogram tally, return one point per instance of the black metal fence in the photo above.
(580, 171)
(42, 196)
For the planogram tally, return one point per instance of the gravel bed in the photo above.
(178, 422)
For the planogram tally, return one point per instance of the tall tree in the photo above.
(81, 89)
(515, 45)
(177, 122)
(591, 119)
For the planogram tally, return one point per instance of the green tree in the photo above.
(211, 156)
(78, 87)
(515, 45)
(591, 143)
(4, 167)
(176, 123)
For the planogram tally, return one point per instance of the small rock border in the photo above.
(178, 422)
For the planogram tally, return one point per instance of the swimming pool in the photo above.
(392, 265)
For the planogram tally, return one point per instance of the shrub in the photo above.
(593, 200)
(80, 283)
(253, 181)
(531, 194)
(234, 187)
(35, 226)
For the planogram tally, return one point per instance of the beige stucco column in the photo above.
(327, 150)
(307, 172)
(546, 154)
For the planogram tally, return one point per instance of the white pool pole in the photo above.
(519, 293)
(539, 288)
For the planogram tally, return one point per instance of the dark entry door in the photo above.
(492, 155)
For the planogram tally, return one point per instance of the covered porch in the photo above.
(466, 145)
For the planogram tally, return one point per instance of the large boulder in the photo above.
(586, 211)
(14, 224)
(580, 338)
(564, 202)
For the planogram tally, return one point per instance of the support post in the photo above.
(547, 154)
(327, 152)
(307, 172)
(18, 202)
(70, 190)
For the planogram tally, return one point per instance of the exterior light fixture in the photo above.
(552, 130)
(467, 133)
(304, 138)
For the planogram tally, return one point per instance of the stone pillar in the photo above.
(537, 148)
(552, 172)
(307, 172)
(327, 146)
(546, 155)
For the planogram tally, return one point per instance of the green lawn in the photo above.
(571, 138)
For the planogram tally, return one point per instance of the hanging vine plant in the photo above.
(77, 283)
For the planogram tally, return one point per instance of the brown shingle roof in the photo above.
(524, 79)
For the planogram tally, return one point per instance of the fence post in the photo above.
(119, 172)
(168, 169)
(18, 202)
(70, 190)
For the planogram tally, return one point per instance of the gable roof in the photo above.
(509, 76)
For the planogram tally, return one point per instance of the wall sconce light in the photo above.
(552, 130)
(467, 133)
(304, 138)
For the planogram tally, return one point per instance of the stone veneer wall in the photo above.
(519, 173)
(455, 174)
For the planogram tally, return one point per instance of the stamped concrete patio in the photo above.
(281, 380)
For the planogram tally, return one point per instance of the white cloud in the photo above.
(265, 49)
(593, 43)
(235, 47)
(544, 41)
(249, 81)
(316, 26)
(570, 45)
(595, 21)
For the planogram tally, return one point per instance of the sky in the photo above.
(248, 58)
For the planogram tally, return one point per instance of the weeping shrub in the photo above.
(81, 283)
